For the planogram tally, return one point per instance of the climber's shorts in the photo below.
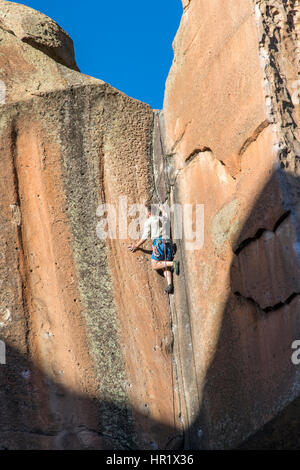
(162, 250)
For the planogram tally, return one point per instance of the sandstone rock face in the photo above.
(85, 323)
(97, 357)
(231, 138)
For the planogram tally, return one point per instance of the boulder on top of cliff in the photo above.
(82, 366)
(36, 55)
(39, 31)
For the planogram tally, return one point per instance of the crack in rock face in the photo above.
(266, 268)
(99, 357)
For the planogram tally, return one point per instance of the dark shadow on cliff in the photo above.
(281, 433)
(38, 412)
(251, 379)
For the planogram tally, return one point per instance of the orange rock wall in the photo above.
(86, 323)
(231, 143)
(96, 356)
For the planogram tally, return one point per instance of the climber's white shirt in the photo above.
(156, 226)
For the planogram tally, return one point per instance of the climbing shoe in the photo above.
(169, 289)
(176, 267)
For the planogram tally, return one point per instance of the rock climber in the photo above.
(157, 227)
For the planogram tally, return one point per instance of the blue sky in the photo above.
(125, 43)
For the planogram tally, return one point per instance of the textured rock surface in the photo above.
(96, 356)
(231, 139)
(36, 29)
(85, 324)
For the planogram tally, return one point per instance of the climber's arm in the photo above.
(163, 210)
(135, 246)
(145, 235)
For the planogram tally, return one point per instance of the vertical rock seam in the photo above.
(98, 357)
(183, 357)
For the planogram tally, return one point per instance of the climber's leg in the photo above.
(168, 276)
(169, 289)
(161, 259)
(161, 264)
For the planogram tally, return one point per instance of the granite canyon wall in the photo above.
(232, 144)
(86, 324)
(97, 356)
